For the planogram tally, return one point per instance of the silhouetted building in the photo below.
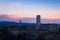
(20, 24)
(38, 20)
(53, 28)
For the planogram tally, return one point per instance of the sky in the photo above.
(15, 9)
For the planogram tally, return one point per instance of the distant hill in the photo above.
(58, 25)
(9, 23)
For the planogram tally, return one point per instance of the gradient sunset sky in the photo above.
(48, 9)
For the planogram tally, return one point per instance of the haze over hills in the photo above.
(28, 20)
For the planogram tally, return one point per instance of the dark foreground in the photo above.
(26, 33)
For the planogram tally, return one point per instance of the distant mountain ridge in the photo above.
(9, 23)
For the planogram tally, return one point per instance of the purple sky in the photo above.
(26, 10)
(30, 8)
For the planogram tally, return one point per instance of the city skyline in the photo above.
(17, 9)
